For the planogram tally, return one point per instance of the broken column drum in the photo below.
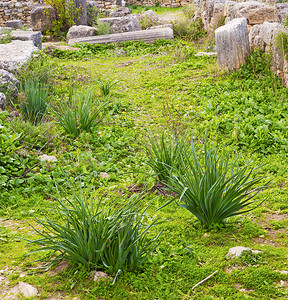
(232, 44)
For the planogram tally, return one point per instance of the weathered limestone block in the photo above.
(80, 32)
(120, 12)
(255, 12)
(36, 37)
(147, 36)
(41, 16)
(282, 12)
(122, 24)
(16, 53)
(15, 24)
(232, 44)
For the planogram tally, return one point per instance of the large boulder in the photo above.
(232, 44)
(122, 24)
(255, 12)
(8, 84)
(41, 17)
(16, 53)
(80, 31)
(34, 36)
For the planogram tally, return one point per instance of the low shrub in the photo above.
(113, 237)
(189, 30)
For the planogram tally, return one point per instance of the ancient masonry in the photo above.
(20, 9)
(15, 10)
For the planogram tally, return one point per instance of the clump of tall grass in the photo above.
(89, 233)
(106, 85)
(79, 113)
(164, 155)
(212, 185)
(34, 102)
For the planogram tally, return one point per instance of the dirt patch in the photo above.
(171, 17)
(158, 189)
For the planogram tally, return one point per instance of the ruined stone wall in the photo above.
(20, 9)
(162, 3)
(16, 10)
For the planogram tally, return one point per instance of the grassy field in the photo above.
(159, 89)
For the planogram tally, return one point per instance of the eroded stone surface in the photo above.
(237, 251)
(232, 44)
(80, 31)
(16, 53)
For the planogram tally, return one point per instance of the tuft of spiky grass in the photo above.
(106, 85)
(164, 155)
(112, 237)
(214, 187)
(79, 113)
(35, 101)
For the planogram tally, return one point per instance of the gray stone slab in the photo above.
(16, 53)
(34, 36)
(147, 36)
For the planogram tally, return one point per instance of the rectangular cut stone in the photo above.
(16, 24)
(34, 36)
(147, 36)
(232, 44)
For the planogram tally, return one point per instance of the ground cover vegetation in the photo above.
(139, 133)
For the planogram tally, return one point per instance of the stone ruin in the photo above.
(241, 26)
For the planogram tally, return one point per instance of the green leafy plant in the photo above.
(216, 187)
(5, 36)
(34, 101)
(106, 84)
(189, 30)
(189, 11)
(112, 237)
(103, 28)
(65, 15)
(79, 114)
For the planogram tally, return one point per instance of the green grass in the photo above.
(160, 91)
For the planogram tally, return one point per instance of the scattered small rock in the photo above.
(282, 272)
(206, 54)
(104, 175)
(48, 158)
(98, 275)
(237, 251)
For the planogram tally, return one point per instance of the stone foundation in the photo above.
(16, 10)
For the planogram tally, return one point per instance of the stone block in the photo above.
(41, 16)
(80, 31)
(15, 24)
(232, 44)
(34, 36)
